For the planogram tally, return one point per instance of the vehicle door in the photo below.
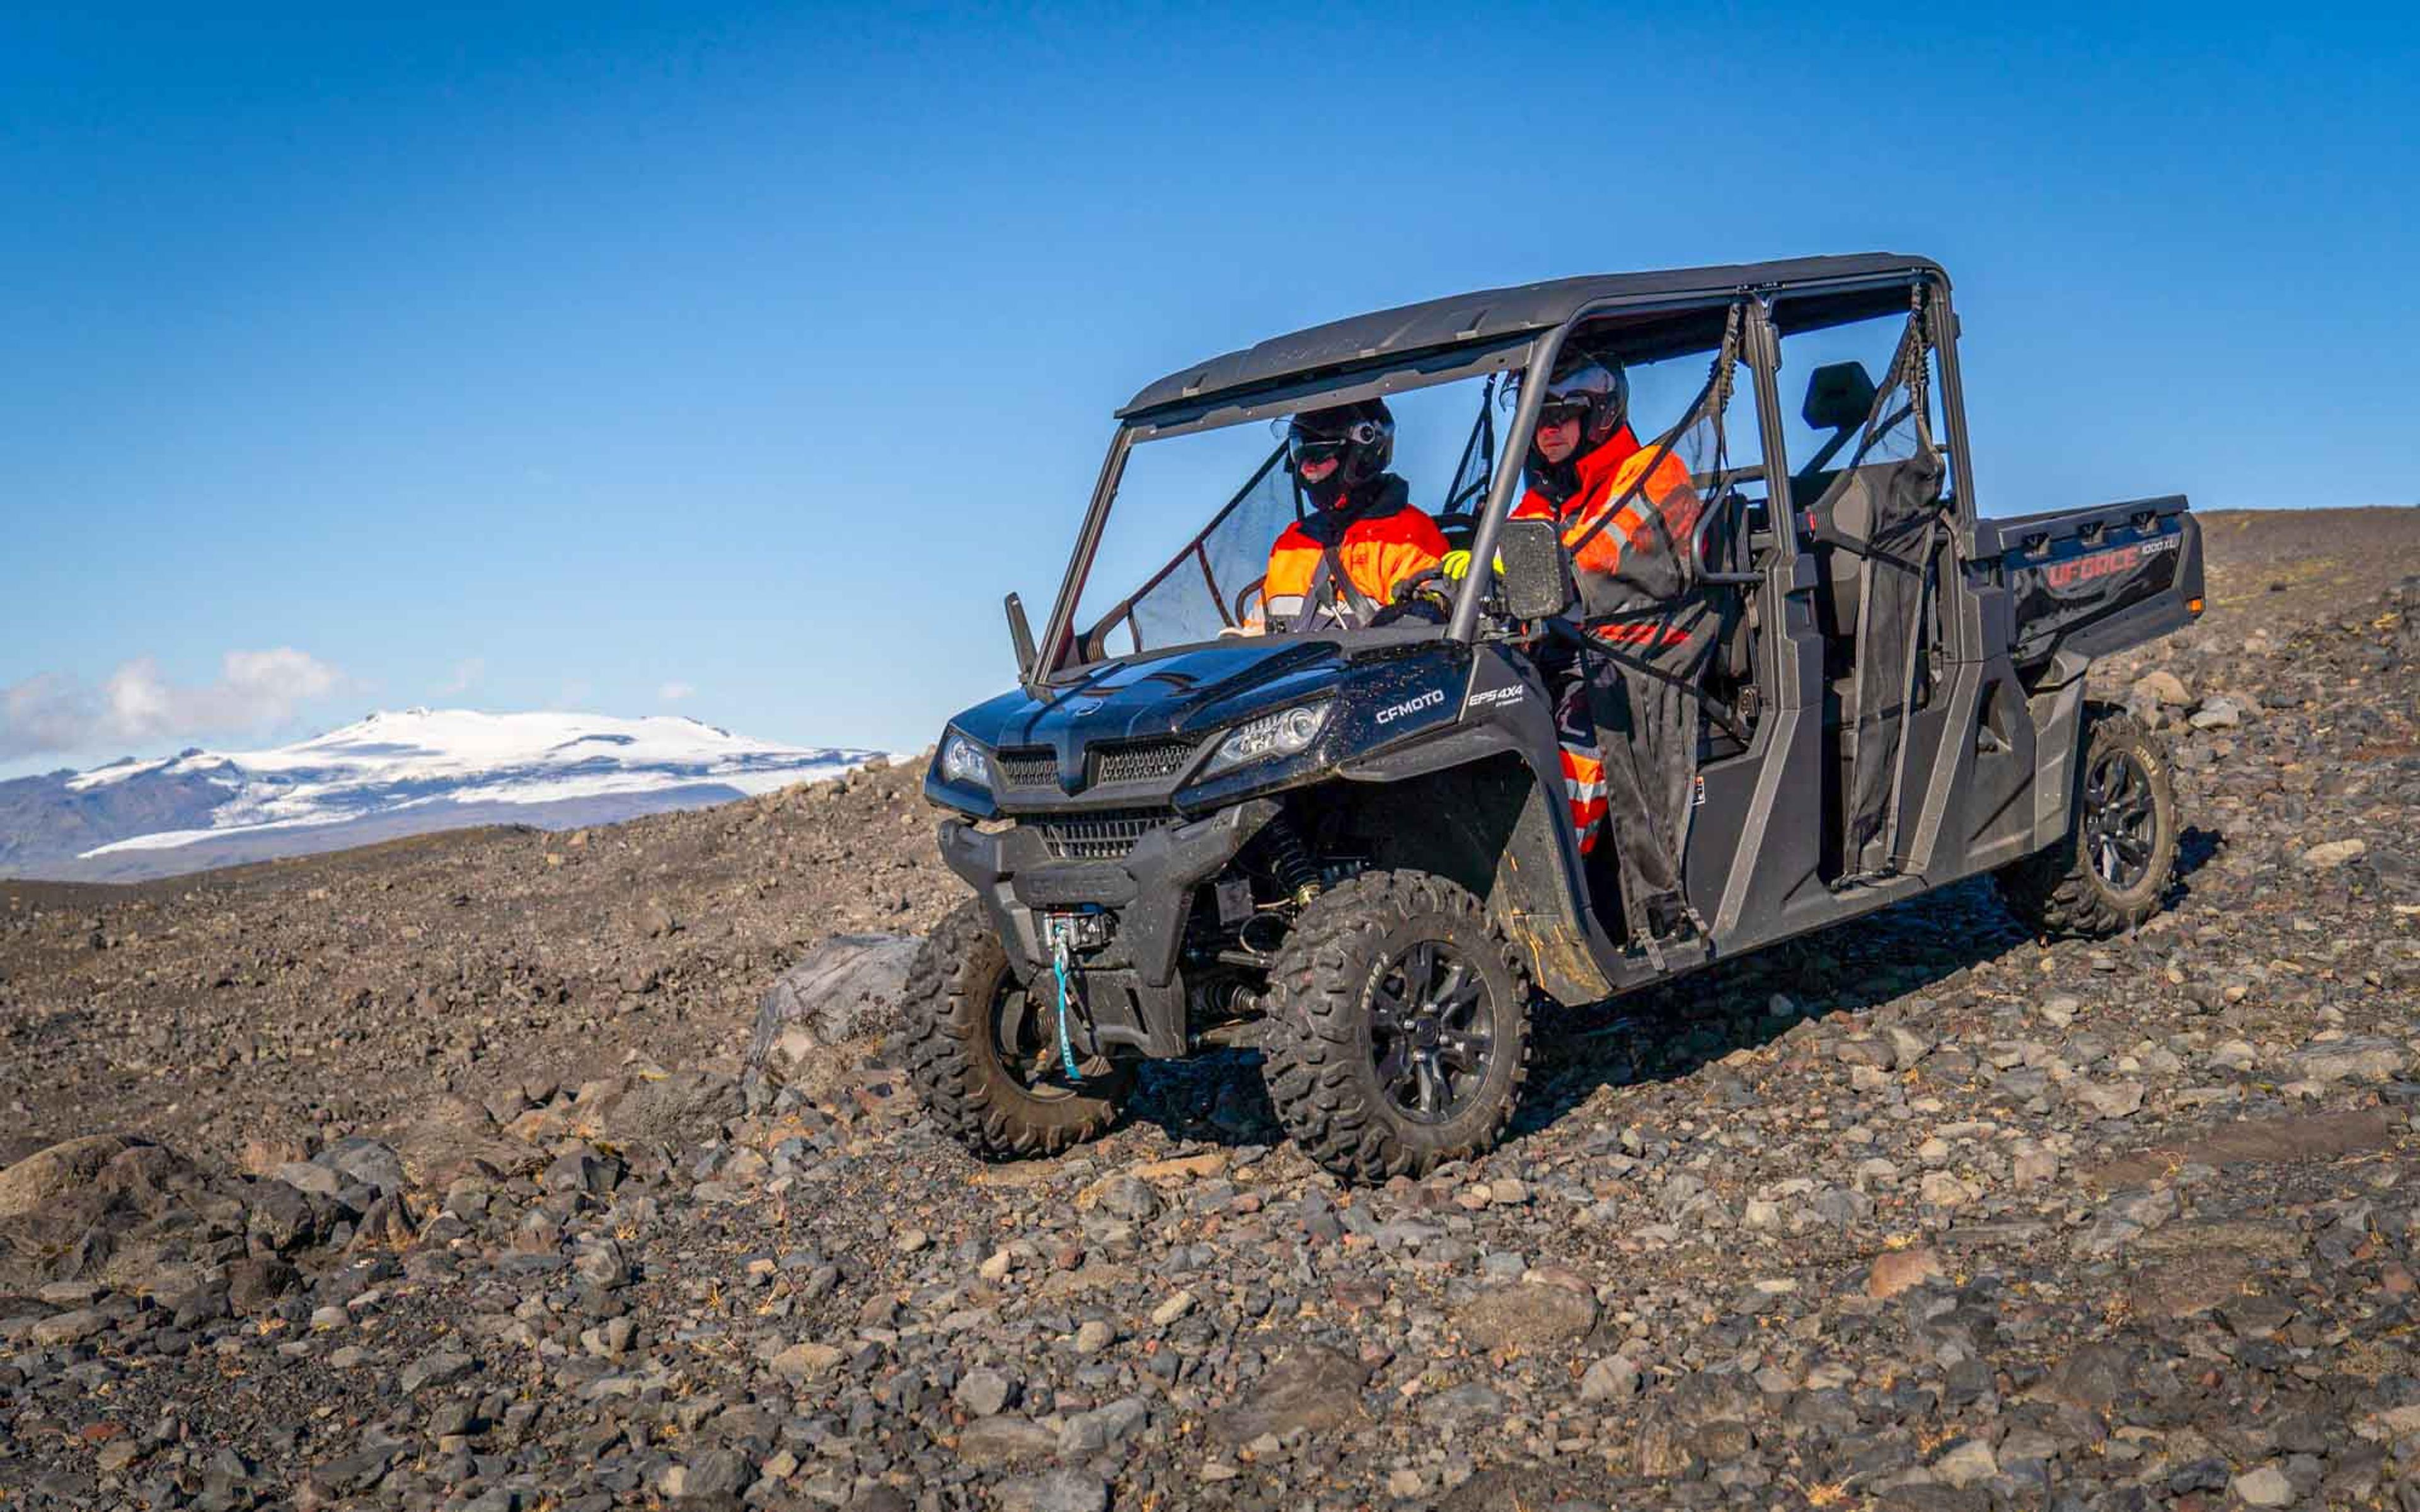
(1871, 503)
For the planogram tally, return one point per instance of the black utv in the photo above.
(1349, 839)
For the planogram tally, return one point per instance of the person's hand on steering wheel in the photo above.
(1420, 597)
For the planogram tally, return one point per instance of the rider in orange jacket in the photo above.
(1625, 512)
(1624, 507)
(1364, 542)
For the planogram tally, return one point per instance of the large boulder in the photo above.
(115, 1209)
(41, 1179)
(454, 1138)
(846, 988)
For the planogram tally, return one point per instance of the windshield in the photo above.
(1331, 518)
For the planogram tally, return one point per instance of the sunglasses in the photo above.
(1562, 412)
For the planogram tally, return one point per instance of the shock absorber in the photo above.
(1289, 861)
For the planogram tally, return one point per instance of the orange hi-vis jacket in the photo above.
(1378, 544)
(1619, 549)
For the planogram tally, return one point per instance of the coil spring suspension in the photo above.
(1290, 859)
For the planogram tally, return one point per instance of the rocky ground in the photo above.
(428, 1178)
(332, 994)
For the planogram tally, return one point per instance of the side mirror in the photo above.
(1533, 569)
(1021, 637)
(1839, 395)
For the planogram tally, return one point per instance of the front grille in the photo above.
(1149, 761)
(1101, 837)
(1029, 768)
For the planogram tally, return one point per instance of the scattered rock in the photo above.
(442, 1368)
(1613, 1378)
(845, 989)
(1897, 1271)
(2335, 853)
(984, 1391)
(1005, 1440)
(2110, 1099)
(2359, 1058)
(2163, 688)
(1526, 1316)
(1057, 1490)
(807, 1362)
(68, 1328)
(1314, 1388)
(49, 1175)
(1965, 1464)
(717, 1474)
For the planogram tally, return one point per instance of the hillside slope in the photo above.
(462, 1202)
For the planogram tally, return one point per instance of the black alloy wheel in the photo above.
(1430, 1035)
(2119, 818)
(1025, 1036)
(2111, 870)
(983, 1049)
(1398, 1033)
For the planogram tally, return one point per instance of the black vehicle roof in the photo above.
(1491, 315)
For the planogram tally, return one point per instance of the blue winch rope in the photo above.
(1059, 969)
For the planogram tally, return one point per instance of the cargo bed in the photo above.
(2094, 580)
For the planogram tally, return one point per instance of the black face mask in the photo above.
(1557, 481)
(1329, 490)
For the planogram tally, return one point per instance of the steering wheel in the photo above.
(1409, 588)
(1244, 594)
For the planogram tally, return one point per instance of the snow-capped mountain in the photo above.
(389, 774)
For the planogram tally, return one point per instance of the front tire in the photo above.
(984, 1056)
(2111, 870)
(1399, 1028)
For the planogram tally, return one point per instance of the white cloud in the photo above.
(468, 673)
(674, 692)
(44, 713)
(137, 705)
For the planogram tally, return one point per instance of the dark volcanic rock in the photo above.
(1921, 1211)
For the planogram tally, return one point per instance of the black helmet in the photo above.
(1598, 391)
(1360, 436)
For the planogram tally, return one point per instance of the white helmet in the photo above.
(1585, 388)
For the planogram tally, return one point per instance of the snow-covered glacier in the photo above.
(391, 773)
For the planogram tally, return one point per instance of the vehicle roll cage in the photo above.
(1801, 296)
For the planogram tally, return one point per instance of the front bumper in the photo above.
(1140, 1005)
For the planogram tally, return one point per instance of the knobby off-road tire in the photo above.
(1344, 996)
(957, 993)
(2109, 873)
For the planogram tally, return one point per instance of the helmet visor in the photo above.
(1306, 445)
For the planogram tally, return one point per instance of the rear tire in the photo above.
(1399, 1028)
(2111, 870)
(985, 1060)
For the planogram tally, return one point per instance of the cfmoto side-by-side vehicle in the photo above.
(1346, 840)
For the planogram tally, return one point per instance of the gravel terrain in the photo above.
(428, 1177)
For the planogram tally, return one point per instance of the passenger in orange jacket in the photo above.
(1363, 543)
(1624, 713)
(1585, 470)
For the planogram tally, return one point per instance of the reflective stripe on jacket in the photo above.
(1378, 546)
(1621, 548)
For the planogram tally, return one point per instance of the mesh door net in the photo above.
(1650, 630)
(1899, 470)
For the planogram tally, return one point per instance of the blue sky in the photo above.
(733, 364)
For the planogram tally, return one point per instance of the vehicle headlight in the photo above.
(963, 761)
(1286, 733)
